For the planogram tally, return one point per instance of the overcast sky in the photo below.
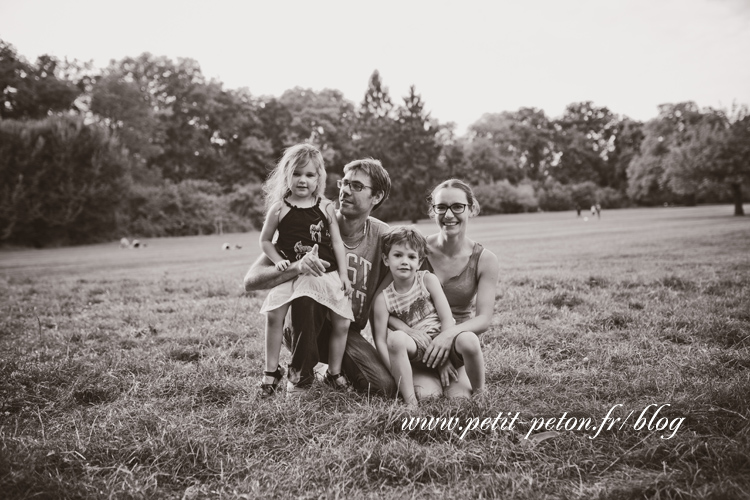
(466, 58)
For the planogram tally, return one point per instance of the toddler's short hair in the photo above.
(407, 235)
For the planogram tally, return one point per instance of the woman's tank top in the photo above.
(461, 290)
(302, 228)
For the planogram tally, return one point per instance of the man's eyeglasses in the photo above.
(456, 208)
(354, 185)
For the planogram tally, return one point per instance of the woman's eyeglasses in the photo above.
(456, 208)
(354, 185)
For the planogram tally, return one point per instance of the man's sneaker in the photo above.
(293, 391)
(338, 382)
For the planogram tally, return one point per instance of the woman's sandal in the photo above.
(338, 382)
(267, 390)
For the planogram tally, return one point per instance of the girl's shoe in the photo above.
(267, 390)
(338, 382)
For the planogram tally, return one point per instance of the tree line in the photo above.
(150, 147)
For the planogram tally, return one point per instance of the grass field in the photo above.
(132, 373)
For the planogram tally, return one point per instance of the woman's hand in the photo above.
(439, 349)
(447, 372)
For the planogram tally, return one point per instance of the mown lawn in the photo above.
(132, 373)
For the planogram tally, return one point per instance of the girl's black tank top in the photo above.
(302, 228)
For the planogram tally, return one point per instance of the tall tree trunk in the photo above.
(737, 193)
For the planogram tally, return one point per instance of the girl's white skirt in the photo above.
(325, 290)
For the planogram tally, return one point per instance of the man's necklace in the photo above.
(364, 235)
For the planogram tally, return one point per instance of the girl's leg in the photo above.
(336, 347)
(400, 348)
(274, 334)
(337, 342)
(468, 346)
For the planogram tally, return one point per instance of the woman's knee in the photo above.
(460, 388)
(467, 344)
(426, 383)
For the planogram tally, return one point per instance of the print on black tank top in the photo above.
(302, 228)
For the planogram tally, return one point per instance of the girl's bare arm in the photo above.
(269, 229)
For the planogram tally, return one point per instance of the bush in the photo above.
(61, 182)
(554, 196)
(193, 207)
(246, 204)
(583, 194)
(611, 198)
(504, 198)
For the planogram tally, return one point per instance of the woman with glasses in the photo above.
(468, 273)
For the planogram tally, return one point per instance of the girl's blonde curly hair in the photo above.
(277, 186)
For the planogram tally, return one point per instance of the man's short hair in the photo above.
(381, 181)
(404, 235)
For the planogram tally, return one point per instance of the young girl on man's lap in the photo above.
(305, 221)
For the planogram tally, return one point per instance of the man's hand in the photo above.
(311, 264)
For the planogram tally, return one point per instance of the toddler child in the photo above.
(305, 221)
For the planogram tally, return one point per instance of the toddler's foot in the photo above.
(270, 383)
(338, 382)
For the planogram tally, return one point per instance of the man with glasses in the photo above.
(364, 188)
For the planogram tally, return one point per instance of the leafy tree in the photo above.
(32, 91)
(374, 129)
(714, 151)
(181, 125)
(324, 119)
(240, 147)
(377, 101)
(584, 137)
(646, 180)
(452, 152)
(521, 141)
(416, 153)
(534, 133)
(628, 135)
(276, 121)
(733, 162)
(492, 149)
(62, 181)
(126, 110)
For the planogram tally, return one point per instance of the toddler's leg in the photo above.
(337, 342)
(274, 334)
(336, 347)
(468, 346)
(400, 348)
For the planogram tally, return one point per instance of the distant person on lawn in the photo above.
(416, 298)
(468, 273)
(364, 187)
